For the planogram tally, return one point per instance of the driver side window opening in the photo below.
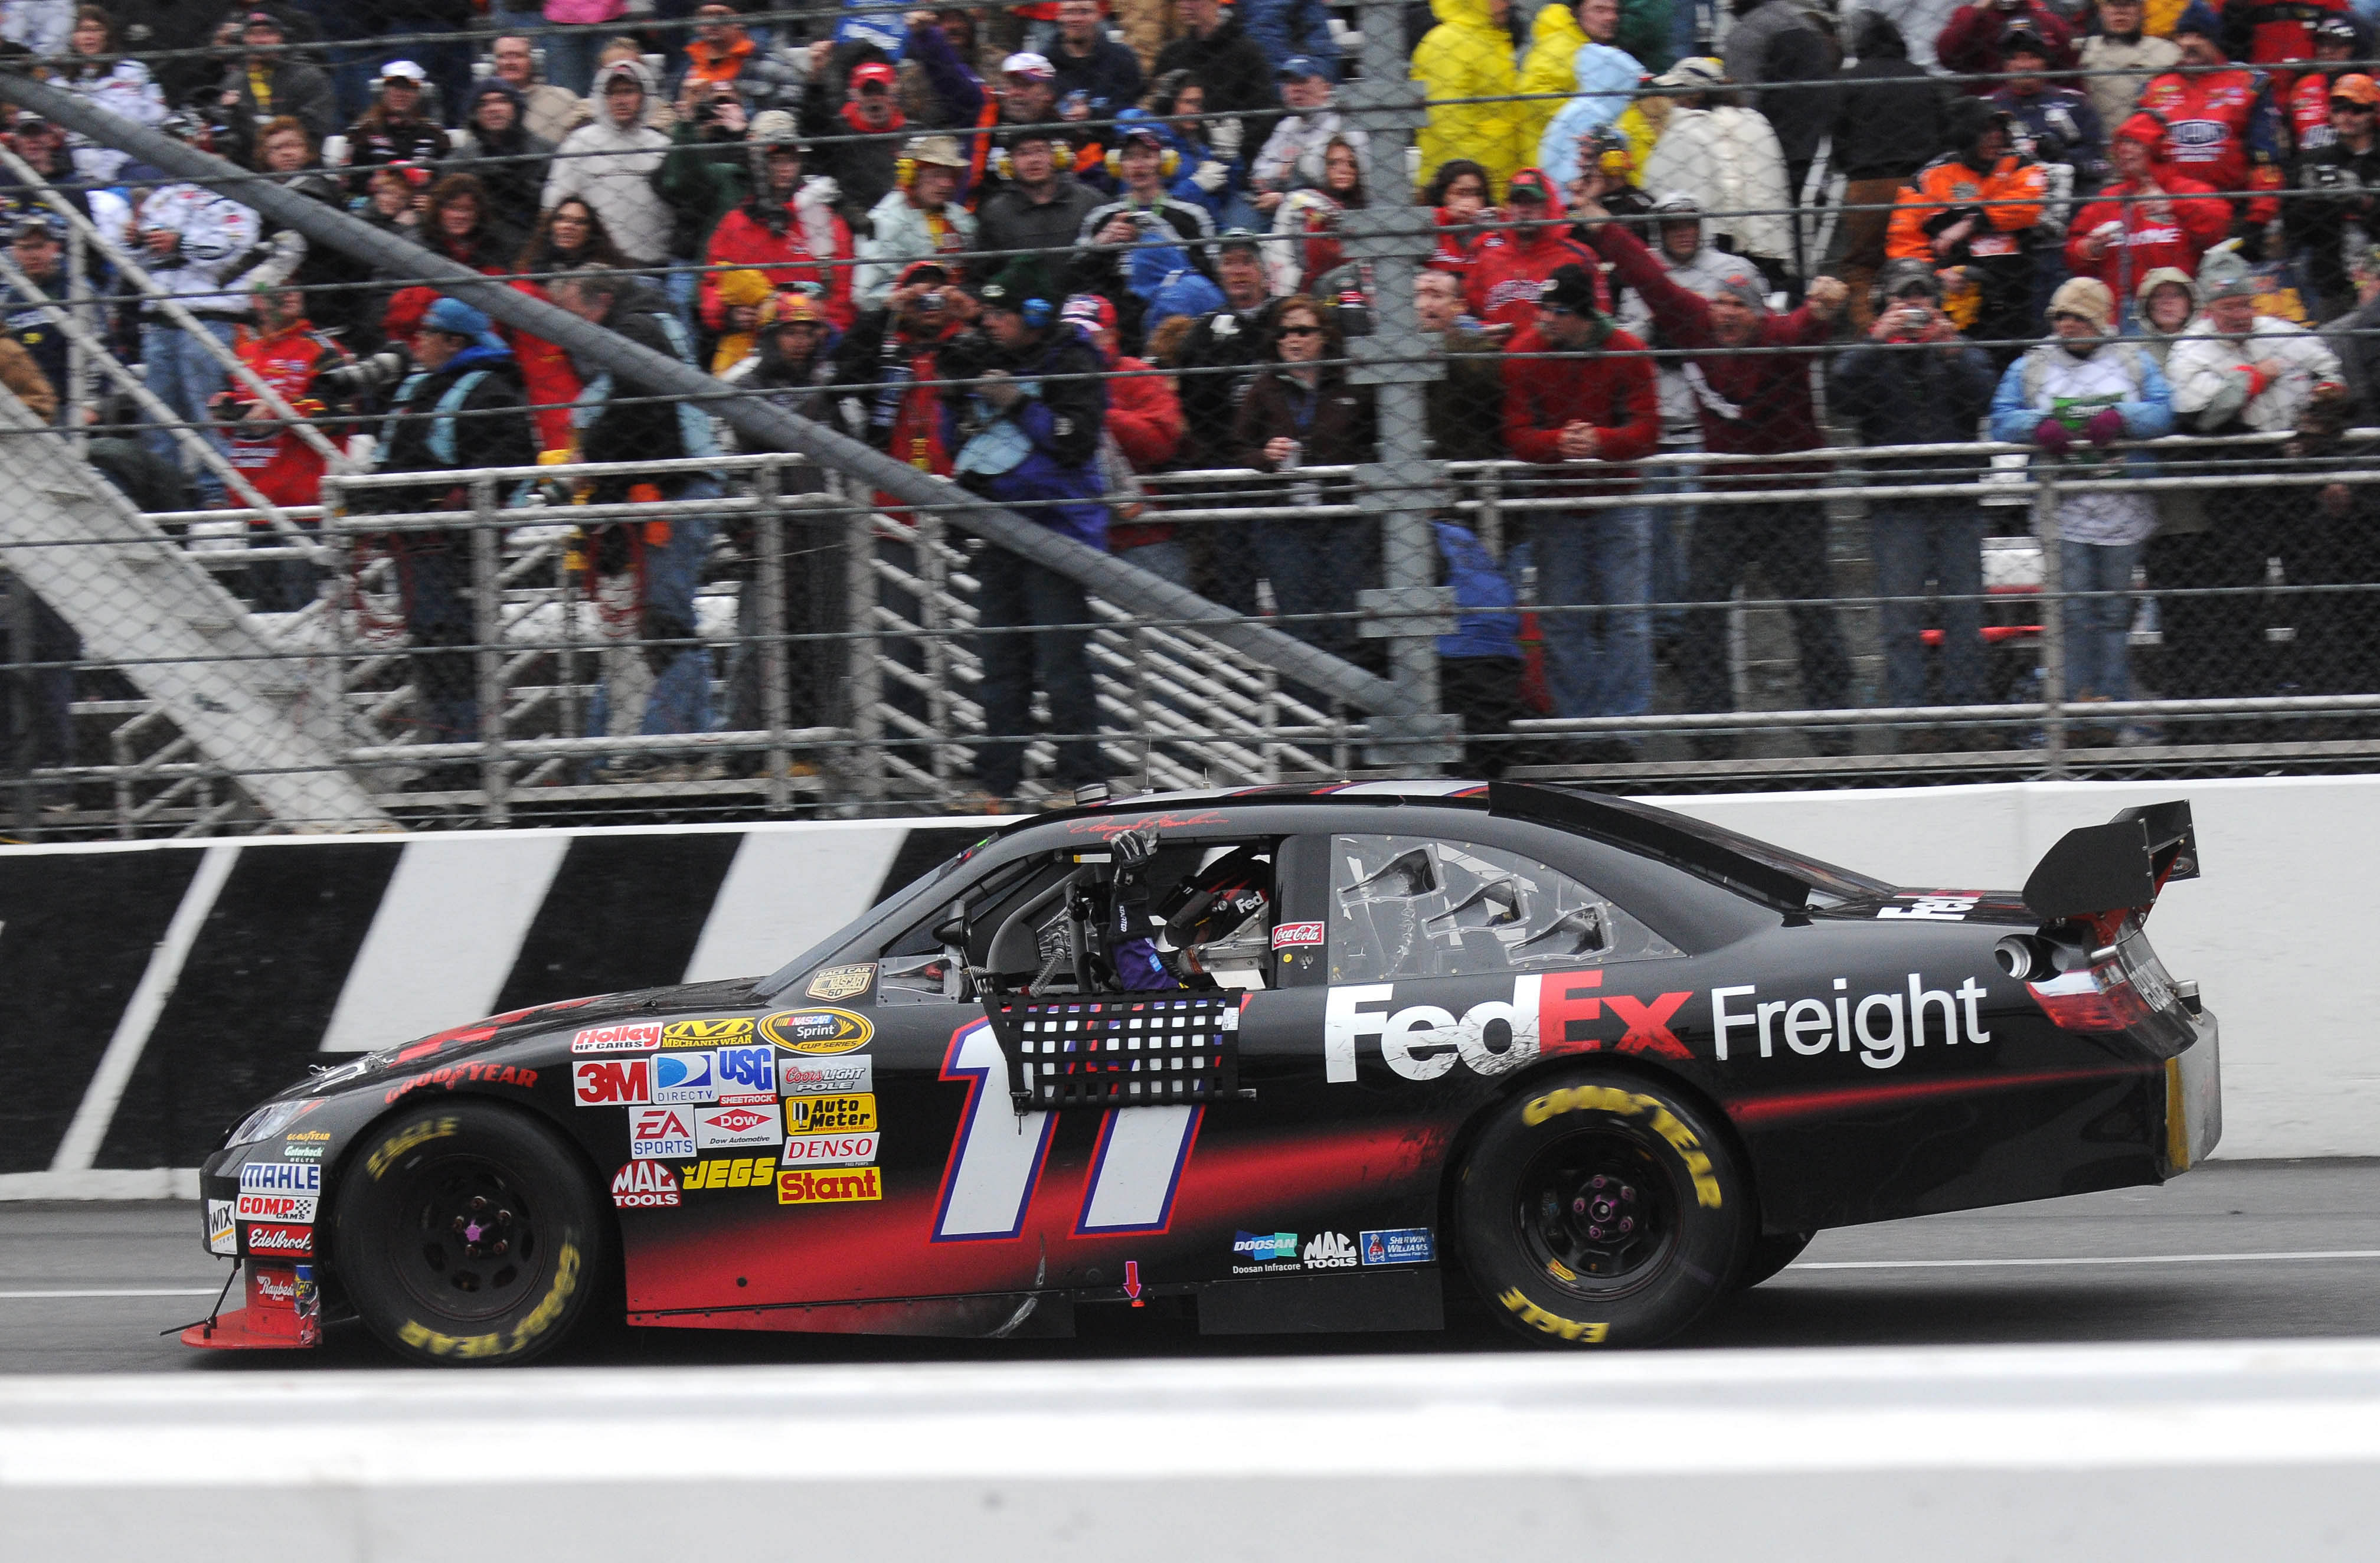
(1410, 906)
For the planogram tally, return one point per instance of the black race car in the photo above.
(1288, 1059)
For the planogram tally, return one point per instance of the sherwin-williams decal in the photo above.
(817, 1032)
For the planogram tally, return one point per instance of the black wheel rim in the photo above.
(1597, 1212)
(464, 1244)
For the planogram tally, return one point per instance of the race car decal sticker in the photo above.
(728, 1172)
(829, 1150)
(839, 985)
(295, 1241)
(616, 1083)
(223, 1227)
(298, 1208)
(747, 1071)
(281, 1177)
(1875, 1020)
(1397, 1245)
(452, 1075)
(806, 1077)
(998, 1155)
(659, 1133)
(706, 1033)
(1135, 1169)
(821, 1115)
(817, 1032)
(1328, 1251)
(1549, 1012)
(739, 1124)
(1265, 1253)
(644, 1185)
(1932, 907)
(686, 1077)
(823, 1188)
(633, 1036)
(1298, 936)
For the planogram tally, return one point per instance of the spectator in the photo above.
(38, 27)
(1468, 56)
(1971, 45)
(1977, 206)
(571, 234)
(1220, 355)
(570, 55)
(1777, 50)
(1306, 242)
(1023, 409)
(2353, 338)
(35, 247)
(708, 174)
(1130, 245)
(393, 129)
(2164, 305)
(122, 87)
(663, 685)
(1606, 80)
(883, 377)
(1890, 118)
(1144, 430)
(287, 354)
(269, 82)
(787, 229)
(1221, 56)
(1579, 398)
(2335, 213)
(1039, 207)
(1302, 411)
(610, 163)
(2236, 371)
(2337, 42)
(2221, 126)
(1547, 69)
(195, 241)
(43, 145)
(2071, 397)
(462, 408)
(511, 165)
(864, 158)
(1729, 160)
(1284, 29)
(2143, 220)
(458, 226)
(922, 218)
(1024, 97)
(660, 109)
(1479, 663)
(1086, 62)
(2122, 59)
(395, 198)
(1292, 156)
(1208, 172)
(1752, 404)
(2276, 32)
(1916, 381)
(1520, 253)
(1465, 408)
(721, 53)
(742, 296)
(550, 109)
(1458, 193)
(2052, 124)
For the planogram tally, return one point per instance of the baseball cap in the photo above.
(917, 270)
(1298, 67)
(774, 127)
(2335, 27)
(1568, 288)
(29, 124)
(2025, 36)
(877, 71)
(1034, 67)
(1090, 311)
(1239, 238)
(263, 19)
(2356, 89)
(1139, 130)
(791, 307)
(1698, 75)
(33, 223)
(457, 319)
(404, 70)
(1529, 184)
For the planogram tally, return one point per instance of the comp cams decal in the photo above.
(297, 1209)
(817, 1032)
(1877, 1024)
(1549, 1012)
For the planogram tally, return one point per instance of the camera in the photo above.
(934, 299)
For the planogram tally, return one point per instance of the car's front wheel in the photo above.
(1601, 1210)
(467, 1232)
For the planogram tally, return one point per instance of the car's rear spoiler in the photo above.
(2116, 867)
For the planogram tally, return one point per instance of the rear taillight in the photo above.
(2123, 988)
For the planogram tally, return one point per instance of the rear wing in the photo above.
(2117, 866)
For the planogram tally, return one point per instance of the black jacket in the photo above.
(634, 422)
(1109, 76)
(492, 428)
(1008, 219)
(1890, 118)
(1913, 395)
(1221, 356)
(292, 88)
(2336, 187)
(1238, 76)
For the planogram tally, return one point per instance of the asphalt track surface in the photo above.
(2241, 1251)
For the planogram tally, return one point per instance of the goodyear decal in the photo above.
(413, 1135)
(1628, 1104)
(1536, 1318)
(707, 1033)
(818, 1031)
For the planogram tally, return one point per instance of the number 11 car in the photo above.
(1281, 1059)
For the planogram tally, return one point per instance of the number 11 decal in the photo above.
(997, 1159)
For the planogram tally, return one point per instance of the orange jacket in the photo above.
(1947, 182)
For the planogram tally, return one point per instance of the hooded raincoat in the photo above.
(1467, 56)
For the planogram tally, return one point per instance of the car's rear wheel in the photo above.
(467, 1232)
(1771, 1252)
(1601, 1210)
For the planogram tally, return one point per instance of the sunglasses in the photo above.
(1556, 309)
(2341, 105)
(1301, 331)
(1914, 290)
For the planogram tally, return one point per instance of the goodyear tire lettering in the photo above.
(1536, 1318)
(540, 1319)
(411, 1137)
(1604, 1098)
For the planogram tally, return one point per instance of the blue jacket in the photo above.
(1045, 451)
(2026, 396)
(1487, 619)
(1283, 27)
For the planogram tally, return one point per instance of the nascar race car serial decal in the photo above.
(838, 985)
(817, 1031)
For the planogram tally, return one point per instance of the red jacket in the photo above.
(1144, 416)
(1510, 265)
(2201, 218)
(2220, 129)
(741, 240)
(1609, 385)
(2308, 108)
(1752, 404)
(285, 468)
(1968, 43)
(2275, 32)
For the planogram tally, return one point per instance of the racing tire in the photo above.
(1771, 1252)
(1600, 1209)
(467, 1233)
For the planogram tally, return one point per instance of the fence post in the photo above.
(770, 540)
(2053, 619)
(865, 668)
(24, 705)
(488, 650)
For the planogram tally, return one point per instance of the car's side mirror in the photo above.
(953, 932)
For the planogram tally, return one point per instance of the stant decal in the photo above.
(707, 1033)
(818, 1031)
(297, 1209)
(661, 1133)
(821, 1115)
(1397, 1245)
(718, 1128)
(1298, 936)
(686, 1077)
(803, 1077)
(281, 1177)
(644, 1185)
(829, 1150)
(296, 1241)
(837, 984)
(828, 1188)
(728, 1172)
(616, 1083)
(628, 1037)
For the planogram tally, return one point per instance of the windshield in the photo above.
(900, 905)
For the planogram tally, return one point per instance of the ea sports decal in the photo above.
(644, 1185)
(818, 1031)
(661, 1133)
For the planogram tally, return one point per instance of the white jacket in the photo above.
(1728, 159)
(217, 235)
(611, 170)
(2211, 379)
(1293, 155)
(900, 238)
(40, 25)
(126, 91)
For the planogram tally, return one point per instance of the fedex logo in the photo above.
(632, 1038)
(751, 1069)
(659, 1133)
(686, 1077)
(614, 1082)
(1548, 1013)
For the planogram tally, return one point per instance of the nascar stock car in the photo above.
(1281, 1059)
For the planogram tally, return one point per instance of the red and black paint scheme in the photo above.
(851, 1145)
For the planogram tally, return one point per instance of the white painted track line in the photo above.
(117, 1291)
(2290, 1256)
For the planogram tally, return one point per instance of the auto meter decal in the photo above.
(707, 1033)
(812, 1077)
(839, 985)
(686, 1077)
(817, 1032)
(821, 1115)
(718, 1128)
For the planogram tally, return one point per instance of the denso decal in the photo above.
(629, 1036)
(1397, 1245)
(298, 1208)
(820, 1115)
(748, 1070)
(1298, 936)
(818, 1031)
(223, 1227)
(828, 1188)
(728, 1172)
(1939, 906)
(661, 1133)
(281, 1177)
(686, 1077)
(1877, 1024)
(295, 1241)
(1329, 1251)
(1551, 1011)
(717, 1128)
(615, 1082)
(829, 1150)
(837, 984)
(802, 1077)
(706, 1033)
(644, 1185)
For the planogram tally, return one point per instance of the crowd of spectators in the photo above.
(1056, 250)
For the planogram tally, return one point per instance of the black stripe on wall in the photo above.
(79, 930)
(256, 994)
(622, 913)
(925, 849)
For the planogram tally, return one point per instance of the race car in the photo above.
(1289, 1058)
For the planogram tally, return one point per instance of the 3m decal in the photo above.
(297, 1209)
(817, 1032)
(1329, 1251)
(1397, 1245)
(1934, 907)
(1536, 1318)
(717, 1128)
(223, 1227)
(1298, 936)
(281, 1177)
(452, 1075)
(293, 1242)
(837, 984)
(1628, 1104)
(418, 1132)
(644, 1184)
(540, 1319)
(1262, 1253)
(823, 1115)
(1548, 1013)
(661, 1133)
(747, 1071)
(806, 1077)
(615, 1083)
(728, 1172)
(828, 1188)
(1877, 1023)
(686, 1077)
(706, 1033)
(829, 1150)
(629, 1036)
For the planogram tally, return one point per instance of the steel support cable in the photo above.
(752, 418)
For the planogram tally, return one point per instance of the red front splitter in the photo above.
(283, 1313)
